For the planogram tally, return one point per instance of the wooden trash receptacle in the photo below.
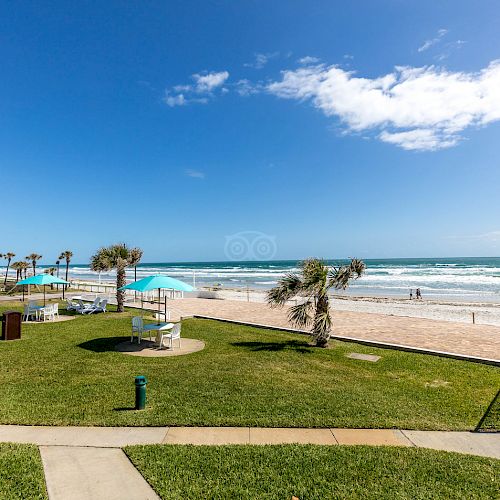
(11, 325)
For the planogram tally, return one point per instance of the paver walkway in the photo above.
(482, 341)
(87, 462)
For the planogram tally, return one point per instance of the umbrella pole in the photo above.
(43, 295)
(159, 306)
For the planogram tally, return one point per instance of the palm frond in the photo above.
(340, 277)
(300, 314)
(287, 287)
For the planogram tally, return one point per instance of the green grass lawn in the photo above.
(314, 472)
(69, 374)
(21, 472)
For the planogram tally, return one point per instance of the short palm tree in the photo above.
(33, 258)
(8, 256)
(117, 257)
(66, 255)
(312, 285)
(17, 266)
(51, 271)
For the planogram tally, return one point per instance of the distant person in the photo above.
(419, 293)
(411, 294)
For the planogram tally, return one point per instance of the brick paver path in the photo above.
(460, 338)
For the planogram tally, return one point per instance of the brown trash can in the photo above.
(11, 325)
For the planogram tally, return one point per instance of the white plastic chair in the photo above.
(90, 308)
(48, 312)
(137, 328)
(174, 334)
(28, 313)
(55, 310)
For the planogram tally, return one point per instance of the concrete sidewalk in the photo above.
(483, 444)
(83, 463)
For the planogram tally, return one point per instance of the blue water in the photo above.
(460, 278)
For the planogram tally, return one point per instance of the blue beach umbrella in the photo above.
(159, 282)
(44, 280)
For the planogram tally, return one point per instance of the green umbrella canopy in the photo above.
(42, 279)
(156, 282)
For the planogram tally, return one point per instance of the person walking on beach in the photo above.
(411, 293)
(419, 294)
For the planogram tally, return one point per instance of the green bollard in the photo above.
(140, 392)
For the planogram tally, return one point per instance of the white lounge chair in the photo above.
(83, 308)
(71, 306)
(173, 334)
(101, 307)
(137, 328)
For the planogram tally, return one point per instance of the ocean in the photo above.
(469, 279)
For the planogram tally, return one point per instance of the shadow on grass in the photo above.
(129, 408)
(286, 345)
(490, 421)
(104, 344)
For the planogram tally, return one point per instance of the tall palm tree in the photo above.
(135, 258)
(114, 257)
(58, 263)
(33, 258)
(8, 256)
(66, 255)
(312, 284)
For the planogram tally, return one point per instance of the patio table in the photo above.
(157, 328)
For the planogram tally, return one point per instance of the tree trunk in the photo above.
(322, 322)
(67, 272)
(121, 280)
(6, 272)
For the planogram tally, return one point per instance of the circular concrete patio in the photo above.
(149, 349)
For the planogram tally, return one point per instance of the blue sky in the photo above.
(336, 129)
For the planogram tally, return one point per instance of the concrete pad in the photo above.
(373, 437)
(260, 435)
(363, 357)
(104, 437)
(208, 435)
(74, 473)
(486, 444)
(150, 349)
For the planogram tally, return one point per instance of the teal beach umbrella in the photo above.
(159, 282)
(44, 280)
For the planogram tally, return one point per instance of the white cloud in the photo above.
(261, 60)
(308, 60)
(210, 81)
(415, 108)
(433, 41)
(194, 173)
(199, 92)
(245, 87)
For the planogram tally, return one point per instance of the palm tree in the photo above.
(58, 263)
(24, 267)
(66, 255)
(51, 271)
(33, 257)
(114, 257)
(7, 256)
(312, 285)
(17, 266)
(135, 258)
